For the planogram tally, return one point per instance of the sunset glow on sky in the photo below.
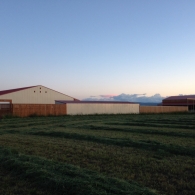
(92, 48)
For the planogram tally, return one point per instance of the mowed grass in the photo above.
(107, 154)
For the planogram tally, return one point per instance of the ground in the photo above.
(98, 154)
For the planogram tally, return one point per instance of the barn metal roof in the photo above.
(180, 97)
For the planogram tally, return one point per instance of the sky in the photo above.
(99, 48)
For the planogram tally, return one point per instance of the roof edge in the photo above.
(95, 102)
(4, 92)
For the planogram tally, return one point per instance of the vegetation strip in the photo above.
(157, 124)
(62, 178)
(136, 131)
(142, 144)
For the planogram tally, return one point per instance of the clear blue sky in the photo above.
(99, 47)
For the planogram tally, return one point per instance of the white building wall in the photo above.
(93, 108)
(35, 95)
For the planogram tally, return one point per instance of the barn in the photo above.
(182, 100)
(40, 100)
(33, 95)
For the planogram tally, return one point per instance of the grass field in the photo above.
(98, 154)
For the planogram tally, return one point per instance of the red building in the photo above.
(183, 100)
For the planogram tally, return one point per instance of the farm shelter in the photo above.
(183, 100)
(32, 95)
(99, 107)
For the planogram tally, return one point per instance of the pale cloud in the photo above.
(156, 98)
(107, 96)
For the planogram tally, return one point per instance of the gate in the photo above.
(5, 109)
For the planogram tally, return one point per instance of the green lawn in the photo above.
(98, 154)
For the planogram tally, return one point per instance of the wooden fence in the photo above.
(24, 110)
(162, 109)
(5, 109)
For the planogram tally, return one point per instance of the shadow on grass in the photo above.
(142, 144)
(62, 178)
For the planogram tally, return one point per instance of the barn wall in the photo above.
(35, 95)
(24, 110)
(94, 108)
(162, 109)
